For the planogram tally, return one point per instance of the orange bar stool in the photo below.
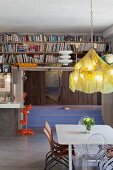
(25, 112)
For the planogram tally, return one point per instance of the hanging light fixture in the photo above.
(92, 74)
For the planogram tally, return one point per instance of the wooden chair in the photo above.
(47, 126)
(25, 112)
(58, 153)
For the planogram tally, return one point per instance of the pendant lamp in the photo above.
(92, 74)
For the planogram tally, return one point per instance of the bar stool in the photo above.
(25, 112)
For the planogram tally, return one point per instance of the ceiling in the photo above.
(54, 15)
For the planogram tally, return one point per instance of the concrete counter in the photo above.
(10, 105)
(9, 119)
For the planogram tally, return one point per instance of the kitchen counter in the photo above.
(9, 119)
(10, 105)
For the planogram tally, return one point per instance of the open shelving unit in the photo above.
(43, 48)
(33, 80)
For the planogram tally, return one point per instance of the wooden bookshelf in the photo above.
(43, 48)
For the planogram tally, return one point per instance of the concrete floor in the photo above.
(27, 153)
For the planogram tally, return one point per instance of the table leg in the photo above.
(70, 156)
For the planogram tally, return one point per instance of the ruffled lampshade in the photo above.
(92, 74)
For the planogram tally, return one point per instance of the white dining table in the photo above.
(76, 134)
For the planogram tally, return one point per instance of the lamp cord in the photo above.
(91, 20)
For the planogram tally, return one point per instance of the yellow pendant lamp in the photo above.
(92, 74)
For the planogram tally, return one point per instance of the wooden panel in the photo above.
(107, 108)
(78, 97)
(68, 97)
(35, 86)
(89, 98)
(95, 98)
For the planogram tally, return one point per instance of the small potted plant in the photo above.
(88, 122)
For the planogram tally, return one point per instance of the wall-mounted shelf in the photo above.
(40, 52)
(53, 42)
(43, 68)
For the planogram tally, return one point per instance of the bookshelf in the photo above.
(43, 48)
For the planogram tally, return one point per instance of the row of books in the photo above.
(100, 47)
(30, 48)
(54, 47)
(52, 59)
(24, 58)
(57, 47)
(22, 48)
(20, 38)
(11, 59)
(77, 37)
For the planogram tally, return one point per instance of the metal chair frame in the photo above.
(58, 153)
(99, 156)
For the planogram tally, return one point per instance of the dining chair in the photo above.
(95, 151)
(48, 127)
(58, 153)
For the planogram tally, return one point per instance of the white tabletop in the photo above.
(76, 134)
